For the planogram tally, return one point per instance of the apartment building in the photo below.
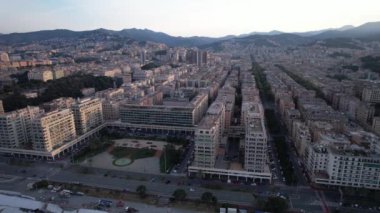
(88, 114)
(291, 116)
(51, 130)
(15, 127)
(227, 96)
(41, 75)
(376, 124)
(207, 139)
(316, 159)
(4, 57)
(255, 157)
(173, 113)
(218, 108)
(301, 137)
(1, 107)
(337, 161)
(371, 94)
(110, 93)
(111, 109)
(58, 73)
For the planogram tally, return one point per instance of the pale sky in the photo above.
(186, 17)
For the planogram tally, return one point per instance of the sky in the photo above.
(186, 17)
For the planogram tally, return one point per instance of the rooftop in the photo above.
(208, 121)
(255, 124)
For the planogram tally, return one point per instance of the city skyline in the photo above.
(182, 18)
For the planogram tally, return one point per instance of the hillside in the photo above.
(368, 31)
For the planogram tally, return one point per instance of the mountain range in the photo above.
(367, 31)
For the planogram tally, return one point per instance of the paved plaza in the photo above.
(104, 160)
(138, 143)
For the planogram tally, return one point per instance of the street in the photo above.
(302, 197)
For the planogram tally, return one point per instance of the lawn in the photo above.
(132, 153)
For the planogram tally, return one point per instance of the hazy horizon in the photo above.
(210, 18)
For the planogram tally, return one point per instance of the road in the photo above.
(276, 169)
(89, 202)
(156, 184)
(182, 168)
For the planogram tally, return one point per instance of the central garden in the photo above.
(124, 156)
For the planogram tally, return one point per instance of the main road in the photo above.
(301, 197)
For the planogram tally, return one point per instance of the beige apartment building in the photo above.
(51, 130)
(88, 114)
(58, 73)
(1, 107)
(44, 75)
(4, 57)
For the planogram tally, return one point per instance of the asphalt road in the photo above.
(301, 197)
(76, 202)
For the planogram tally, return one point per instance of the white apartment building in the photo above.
(51, 130)
(316, 159)
(207, 139)
(339, 162)
(218, 108)
(111, 93)
(208, 136)
(88, 114)
(371, 94)
(301, 137)
(255, 157)
(227, 96)
(15, 127)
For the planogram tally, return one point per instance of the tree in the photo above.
(141, 190)
(169, 157)
(214, 200)
(40, 184)
(179, 195)
(276, 205)
(208, 197)
(69, 86)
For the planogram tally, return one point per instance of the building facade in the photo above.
(51, 130)
(15, 127)
(88, 114)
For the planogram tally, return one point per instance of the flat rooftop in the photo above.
(208, 121)
(215, 108)
(255, 124)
